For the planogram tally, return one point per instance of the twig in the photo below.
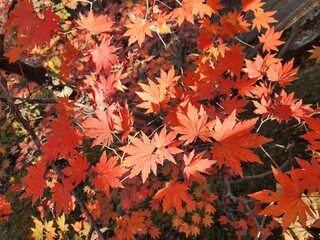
(296, 15)
(258, 176)
(18, 116)
(32, 100)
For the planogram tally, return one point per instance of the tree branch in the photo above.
(18, 116)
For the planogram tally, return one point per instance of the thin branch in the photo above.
(32, 100)
(18, 116)
(262, 175)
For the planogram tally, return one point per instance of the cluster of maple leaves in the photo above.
(152, 126)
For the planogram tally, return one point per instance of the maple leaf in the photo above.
(173, 194)
(314, 136)
(166, 146)
(284, 74)
(245, 85)
(263, 19)
(100, 129)
(137, 31)
(271, 40)
(233, 142)
(23, 17)
(14, 54)
(77, 169)
(289, 202)
(194, 165)
(34, 181)
(199, 8)
(315, 53)
(62, 196)
(63, 140)
(141, 157)
(5, 209)
(205, 39)
(107, 174)
(154, 95)
(193, 124)
(283, 107)
(253, 5)
(215, 5)
(103, 56)
(309, 174)
(95, 24)
(44, 28)
(124, 122)
(183, 13)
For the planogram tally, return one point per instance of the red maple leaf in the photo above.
(5, 209)
(124, 122)
(95, 24)
(103, 56)
(173, 194)
(309, 174)
(313, 136)
(234, 141)
(107, 174)
(100, 129)
(44, 28)
(245, 85)
(195, 165)
(63, 140)
(23, 17)
(34, 181)
(289, 202)
(62, 196)
(76, 172)
(193, 124)
(283, 74)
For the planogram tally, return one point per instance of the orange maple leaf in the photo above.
(137, 31)
(154, 96)
(95, 24)
(103, 56)
(193, 124)
(284, 74)
(253, 5)
(166, 146)
(271, 40)
(289, 202)
(35, 181)
(315, 53)
(195, 165)
(141, 156)
(100, 129)
(233, 142)
(107, 174)
(263, 19)
(173, 194)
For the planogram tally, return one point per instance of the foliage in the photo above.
(161, 129)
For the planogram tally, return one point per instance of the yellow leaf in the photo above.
(61, 221)
(37, 232)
